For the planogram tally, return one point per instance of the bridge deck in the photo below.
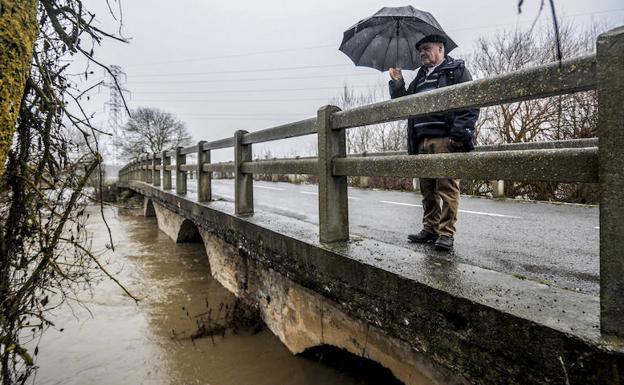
(549, 243)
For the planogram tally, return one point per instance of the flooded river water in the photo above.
(115, 341)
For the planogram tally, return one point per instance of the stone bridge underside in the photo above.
(429, 321)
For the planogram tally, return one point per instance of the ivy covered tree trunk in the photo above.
(18, 31)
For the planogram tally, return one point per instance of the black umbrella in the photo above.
(388, 38)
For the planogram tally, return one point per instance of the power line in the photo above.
(247, 90)
(530, 21)
(237, 118)
(237, 55)
(244, 71)
(225, 100)
(252, 79)
(247, 114)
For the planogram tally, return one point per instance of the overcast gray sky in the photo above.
(226, 65)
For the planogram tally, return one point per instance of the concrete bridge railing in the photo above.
(597, 161)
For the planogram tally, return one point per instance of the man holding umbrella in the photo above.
(441, 133)
(409, 38)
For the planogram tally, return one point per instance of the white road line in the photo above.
(400, 203)
(269, 188)
(489, 214)
(597, 227)
(355, 198)
(309, 192)
(462, 211)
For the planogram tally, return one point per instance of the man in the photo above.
(440, 133)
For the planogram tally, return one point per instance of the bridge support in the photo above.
(243, 183)
(333, 202)
(610, 70)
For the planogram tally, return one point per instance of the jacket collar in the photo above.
(448, 64)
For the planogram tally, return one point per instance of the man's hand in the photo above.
(456, 144)
(395, 74)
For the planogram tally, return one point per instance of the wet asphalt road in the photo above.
(551, 243)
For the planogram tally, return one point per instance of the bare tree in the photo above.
(153, 130)
(562, 117)
(44, 246)
(382, 137)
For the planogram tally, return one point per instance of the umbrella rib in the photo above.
(386, 55)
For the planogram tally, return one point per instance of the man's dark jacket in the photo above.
(458, 125)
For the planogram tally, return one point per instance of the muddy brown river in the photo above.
(112, 340)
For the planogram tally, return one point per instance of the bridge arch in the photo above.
(148, 208)
(177, 227)
(361, 367)
(188, 232)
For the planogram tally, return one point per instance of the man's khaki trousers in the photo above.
(436, 219)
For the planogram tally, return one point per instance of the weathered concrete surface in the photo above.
(481, 325)
(563, 165)
(573, 75)
(302, 319)
(610, 55)
(175, 226)
(226, 265)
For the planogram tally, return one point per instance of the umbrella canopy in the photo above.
(388, 38)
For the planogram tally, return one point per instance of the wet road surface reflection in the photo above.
(114, 341)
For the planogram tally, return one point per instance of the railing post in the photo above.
(155, 173)
(333, 202)
(204, 179)
(610, 71)
(243, 183)
(498, 188)
(148, 169)
(180, 175)
(143, 170)
(140, 171)
(166, 174)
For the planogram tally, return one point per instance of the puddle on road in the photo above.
(118, 342)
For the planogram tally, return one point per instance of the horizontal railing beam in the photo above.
(562, 165)
(188, 150)
(218, 144)
(575, 75)
(219, 167)
(281, 166)
(570, 143)
(290, 130)
(188, 167)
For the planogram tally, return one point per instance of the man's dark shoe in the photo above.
(444, 242)
(423, 237)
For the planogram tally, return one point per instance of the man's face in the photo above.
(431, 54)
